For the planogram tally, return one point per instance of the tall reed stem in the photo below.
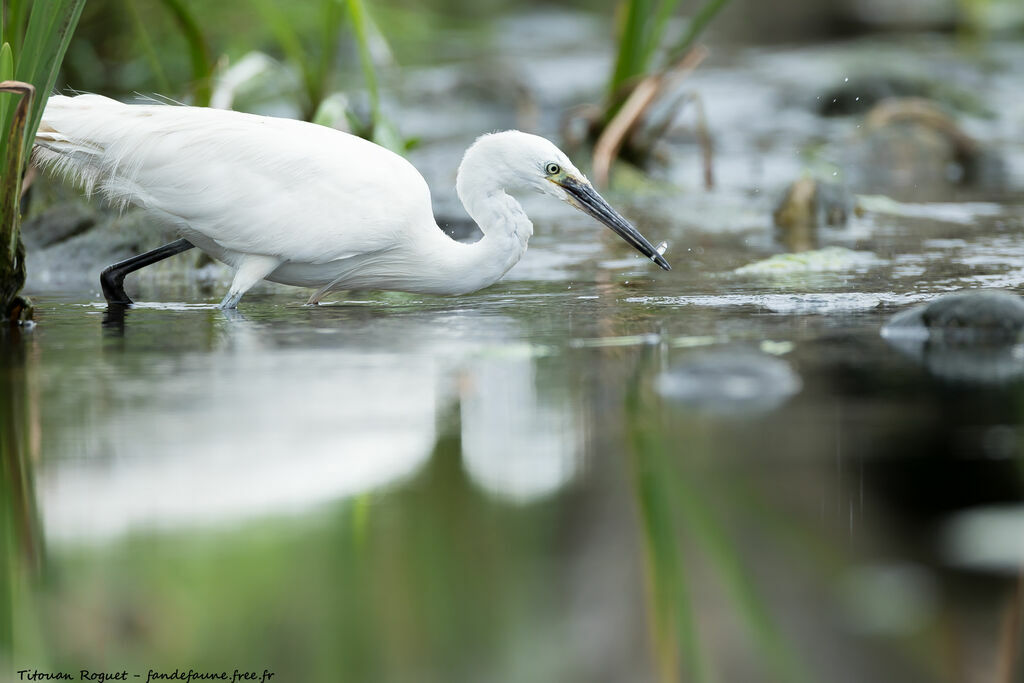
(12, 252)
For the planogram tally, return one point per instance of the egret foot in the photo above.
(252, 269)
(315, 299)
(112, 277)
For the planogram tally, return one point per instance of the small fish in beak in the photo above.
(584, 197)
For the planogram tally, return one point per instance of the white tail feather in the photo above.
(77, 139)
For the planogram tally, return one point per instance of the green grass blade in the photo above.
(6, 74)
(658, 27)
(708, 11)
(643, 29)
(198, 50)
(146, 42)
(333, 17)
(291, 46)
(674, 615)
(653, 482)
(357, 15)
(283, 31)
(735, 575)
(44, 32)
(6, 63)
(49, 31)
(12, 266)
(15, 22)
(632, 45)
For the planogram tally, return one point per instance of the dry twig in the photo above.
(633, 109)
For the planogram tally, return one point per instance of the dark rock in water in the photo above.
(977, 316)
(70, 239)
(969, 336)
(76, 260)
(983, 316)
(730, 382)
(809, 204)
(57, 224)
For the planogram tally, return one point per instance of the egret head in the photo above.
(513, 160)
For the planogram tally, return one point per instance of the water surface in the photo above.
(505, 486)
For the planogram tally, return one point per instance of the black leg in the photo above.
(112, 277)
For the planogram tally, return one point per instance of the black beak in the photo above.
(587, 199)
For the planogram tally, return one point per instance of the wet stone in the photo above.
(811, 201)
(964, 318)
(968, 337)
(57, 224)
(808, 204)
(76, 259)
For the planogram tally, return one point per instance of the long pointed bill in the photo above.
(584, 197)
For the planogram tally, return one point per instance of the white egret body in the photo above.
(306, 205)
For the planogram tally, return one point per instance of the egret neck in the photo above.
(482, 186)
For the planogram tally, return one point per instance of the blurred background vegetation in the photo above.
(176, 47)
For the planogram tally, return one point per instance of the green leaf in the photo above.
(357, 15)
(37, 37)
(333, 18)
(146, 43)
(643, 31)
(386, 135)
(356, 124)
(47, 36)
(6, 62)
(332, 110)
(6, 74)
(698, 23)
(633, 44)
(198, 50)
(291, 45)
(14, 23)
(12, 272)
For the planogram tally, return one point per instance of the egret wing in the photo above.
(251, 184)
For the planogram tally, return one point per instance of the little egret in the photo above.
(306, 205)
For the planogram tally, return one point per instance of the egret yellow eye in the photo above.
(552, 169)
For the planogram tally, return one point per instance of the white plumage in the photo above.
(307, 205)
